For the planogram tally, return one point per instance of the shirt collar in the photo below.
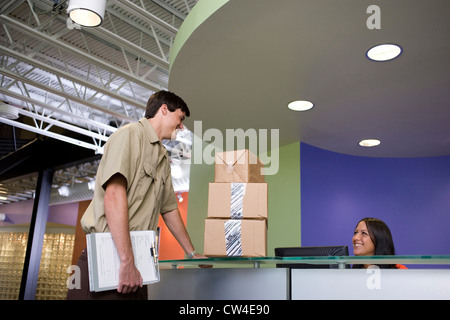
(151, 134)
(153, 138)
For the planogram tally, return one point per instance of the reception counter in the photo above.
(269, 279)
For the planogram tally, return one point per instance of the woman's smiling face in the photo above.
(362, 243)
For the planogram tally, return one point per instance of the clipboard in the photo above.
(104, 263)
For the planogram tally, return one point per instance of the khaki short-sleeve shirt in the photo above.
(135, 152)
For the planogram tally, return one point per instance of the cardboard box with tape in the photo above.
(238, 166)
(237, 207)
(235, 238)
(237, 200)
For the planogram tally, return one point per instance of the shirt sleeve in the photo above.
(118, 158)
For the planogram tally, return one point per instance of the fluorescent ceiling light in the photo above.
(176, 171)
(88, 13)
(300, 105)
(384, 52)
(91, 185)
(64, 191)
(369, 142)
(7, 111)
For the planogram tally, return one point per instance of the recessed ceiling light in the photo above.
(369, 142)
(300, 105)
(384, 52)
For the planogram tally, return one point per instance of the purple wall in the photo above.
(20, 212)
(412, 195)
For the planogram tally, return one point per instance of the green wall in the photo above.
(284, 200)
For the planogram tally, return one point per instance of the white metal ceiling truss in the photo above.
(87, 80)
(76, 179)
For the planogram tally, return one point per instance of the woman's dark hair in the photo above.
(172, 101)
(381, 236)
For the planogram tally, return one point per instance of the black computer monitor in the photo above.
(311, 252)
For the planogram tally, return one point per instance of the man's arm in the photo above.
(175, 224)
(116, 211)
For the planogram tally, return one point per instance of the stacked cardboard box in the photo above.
(236, 224)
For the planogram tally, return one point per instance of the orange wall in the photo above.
(169, 248)
(80, 236)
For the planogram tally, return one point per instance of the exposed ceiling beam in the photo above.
(130, 47)
(98, 126)
(175, 12)
(96, 147)
(56, 42)
(145, 15)
(79, 100)
(104, 90)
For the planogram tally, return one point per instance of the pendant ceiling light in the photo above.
(88, 13)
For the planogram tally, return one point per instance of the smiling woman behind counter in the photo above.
(372, 237)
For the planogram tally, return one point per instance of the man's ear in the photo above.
(164, 109)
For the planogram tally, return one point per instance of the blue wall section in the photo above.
(412, 195)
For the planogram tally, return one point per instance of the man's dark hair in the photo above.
(172, 101)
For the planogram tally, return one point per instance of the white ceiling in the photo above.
(241, 67)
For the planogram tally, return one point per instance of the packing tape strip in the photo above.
(237, 200)
(233, 238)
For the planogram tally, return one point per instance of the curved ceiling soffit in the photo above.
(242, 64)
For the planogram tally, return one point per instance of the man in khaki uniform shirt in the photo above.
(134, 186)
(136, 153)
